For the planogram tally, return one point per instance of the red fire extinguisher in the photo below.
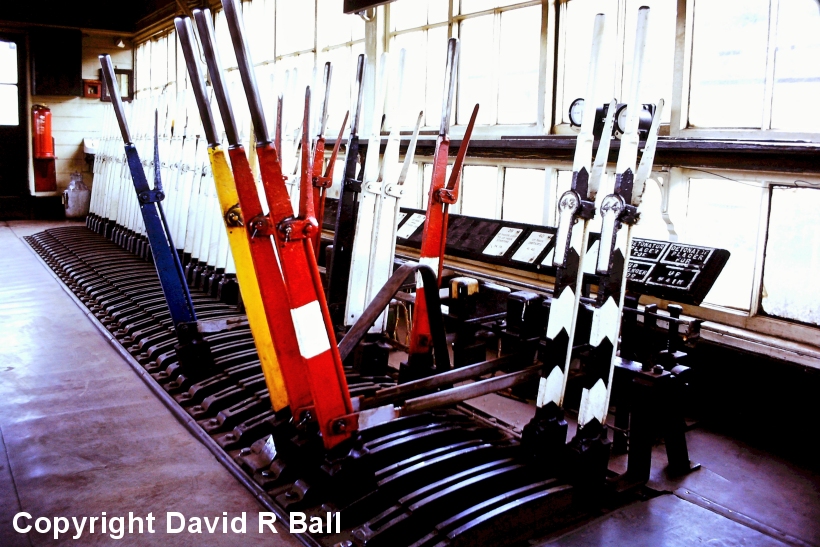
(41, 128)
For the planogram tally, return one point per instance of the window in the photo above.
(726, 214)
(9, 98)
(420, 27)
(518, 194)
(501, 59)
(340, 41)
(526, 195)
(480, 196)
(499, 66)
(751, 63)
(618, 50)
(651, 224)
(790, 289)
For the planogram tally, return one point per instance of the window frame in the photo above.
(546, 66)
(682, 82)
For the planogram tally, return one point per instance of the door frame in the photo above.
(21, 39)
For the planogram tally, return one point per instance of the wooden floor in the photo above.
(80, 433)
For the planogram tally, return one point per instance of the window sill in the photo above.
(789, 157)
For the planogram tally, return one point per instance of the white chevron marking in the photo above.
(562, 310)
(548, 260)
(550, 388)
(591, 257)
(605, 323)
(593, 404)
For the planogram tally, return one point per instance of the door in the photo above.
(13, 117)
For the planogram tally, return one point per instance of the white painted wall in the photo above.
(75, 118)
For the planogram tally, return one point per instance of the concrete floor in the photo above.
(80, 433)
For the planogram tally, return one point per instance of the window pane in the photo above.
(438, 11)
(793, 255)
(411, 197)
(564, 183)
(651, 225)
(259, 17)
(423, 75)
(479, 191)
(726, 214)
(8, 62)
(796, 72)
(9, 109)
(294, 26)
(405, 14)
(476, 62)
(415, 74)
(412, 193)
(472, 6)
(159, 63)
(436, 57)
(342, 85)
(223, 41)
(728, 63)
(577, 45)
(337, 27)
(520, 53)
(296, 73)
(428, 177)
(142, 68)
(660, 52)
(524, 195)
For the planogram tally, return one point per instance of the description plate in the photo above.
(533, 246)
(648, 250)
(670, 276)
(637, 271)
(502, 241)
(409, 228)
(687, 255)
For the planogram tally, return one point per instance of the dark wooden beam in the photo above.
(786, 157)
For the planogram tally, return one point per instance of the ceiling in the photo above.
(93, 14)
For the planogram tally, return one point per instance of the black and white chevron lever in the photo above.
(616, 209)
(546, 434)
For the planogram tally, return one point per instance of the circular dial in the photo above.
(576, 112)
(620, 119)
